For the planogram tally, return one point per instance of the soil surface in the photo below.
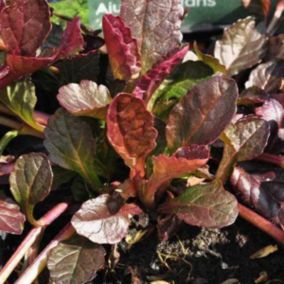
(199, 256)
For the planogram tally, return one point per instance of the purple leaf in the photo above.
(271, 110)
(122, 48)
(202, 115)
(207, 205)
(261, 192)
(24, 25)
(156, 26)
(241, 47)
(86, 98)
(95, 222)
(149, 82)
(75, 261)
(11, 219)
(267, 76)
(131, 131)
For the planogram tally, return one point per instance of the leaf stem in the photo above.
(29, 240)
(31, 273)
(261, 223)
(273, 159)
(6, 139)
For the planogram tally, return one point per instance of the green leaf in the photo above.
(75, 261)
(71, 145)
(176, 86)
(241, 47)
(202, 115)
(31, 181)
(20, 98)
(85, 99)
(244, 140)
(6, 139)
(156, 26)
(206, 205)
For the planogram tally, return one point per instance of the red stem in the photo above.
(41, 118)
(47, 219)
(31, 273)
(273, 159)
(261, 223)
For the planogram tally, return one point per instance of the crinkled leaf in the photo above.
(271, 110)
(31, 180)
(244, 140)
(20, 98)
(241, 47)
(156, 26)
(95, 222)
(202, 115)
(11, 219)
(75, 261)
(149, 82)
(86, 98)
(71, 145)
(207, 205)
(72, 40)
(131, 131)
(165, 168)
(122, 48)
(267, 76)
(261, 192)
(177, 85)
(209, 60)
(24, 24)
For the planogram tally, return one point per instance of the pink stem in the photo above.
(32, 272)
(261, 223)
(47, 219)
(273, 159)
(41, 117)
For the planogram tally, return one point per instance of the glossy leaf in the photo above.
(71, 145)
(241, 47)
(165, 168)
(271, 110)
(122, 48)
(177, 85)
(131, 131)
(24, 24)
(149, 82)
(95, 222)
(262, 192)
(244, 140)
(72, 40)
(267, 76)
(209, 60)
(207, 205)
(20, 98)
(252, 96)
(202, 115)
(11, 219)
(86, 98)
(247, 137)
(30, 182)
(155, 25)
(75, 261)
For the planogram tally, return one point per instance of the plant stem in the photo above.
(273, 159)
(10, 123)
(47, 219)
(31, 273)
(6, 139)
(41, 117)
(261, 223)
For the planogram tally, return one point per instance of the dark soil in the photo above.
(199, 257)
